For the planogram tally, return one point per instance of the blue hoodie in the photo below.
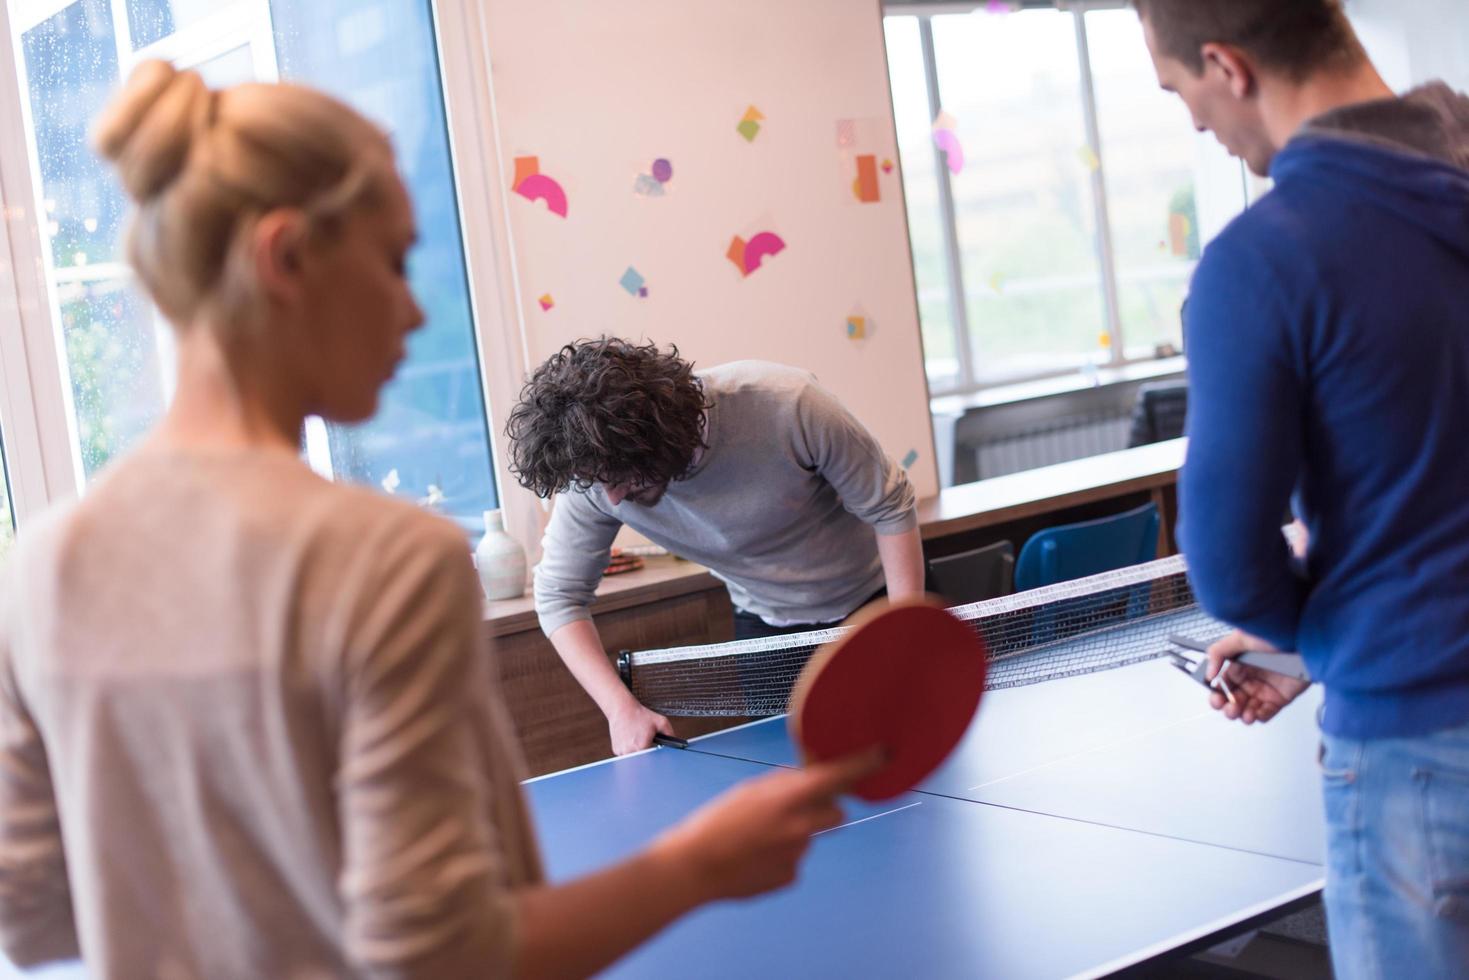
(1328, 342)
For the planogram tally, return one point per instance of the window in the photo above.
(430, 440)
(7, 517)
(1067, 238)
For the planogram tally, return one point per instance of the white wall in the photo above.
(1414, 41)
(597, 91)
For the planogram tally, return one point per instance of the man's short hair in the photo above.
(607, 411)
(1296, 37)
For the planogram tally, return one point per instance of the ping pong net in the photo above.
(1078, 627)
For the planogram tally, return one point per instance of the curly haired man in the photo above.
(749, 468)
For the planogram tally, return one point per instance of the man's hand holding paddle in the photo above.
(1258, 694)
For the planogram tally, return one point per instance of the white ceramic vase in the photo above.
(500, 560)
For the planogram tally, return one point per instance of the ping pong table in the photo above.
(1084, 826)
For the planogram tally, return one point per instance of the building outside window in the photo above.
(430, 441)
(1066, 240)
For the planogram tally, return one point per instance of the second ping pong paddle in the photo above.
(908, 678)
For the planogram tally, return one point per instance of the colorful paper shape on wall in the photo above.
(1179, 230)
(749, 256)
(749, 126)
(533, 185)
(633, 282)
(865, 186)
(910, 459)
(887, 166)
(1088, 158)
(856, 327)
(662, 170)
(546, 301)
(647, 186)
(846, 132)
(946, 138)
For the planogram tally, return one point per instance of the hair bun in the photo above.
(149, 126)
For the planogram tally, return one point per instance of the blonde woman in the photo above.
(247, 727)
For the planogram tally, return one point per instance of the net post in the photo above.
(624, 667)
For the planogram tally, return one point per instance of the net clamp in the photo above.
(1288, 664)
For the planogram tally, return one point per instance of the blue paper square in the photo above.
(631, 281)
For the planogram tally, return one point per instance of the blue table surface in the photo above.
(1137, 747)
(1083, 824)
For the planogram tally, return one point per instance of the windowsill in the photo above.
(958, 404)
(664, 577)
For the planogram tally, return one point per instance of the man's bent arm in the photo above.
(1245, 446)
(580, 647)
(630, 725)
(902, 563)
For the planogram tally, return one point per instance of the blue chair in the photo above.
(1070, 551)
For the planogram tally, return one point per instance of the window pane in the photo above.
(231, 68)
(115, 366)
(1157, 170)
(154, 20)
(921, 189)
(1023, 203)
(381, 56)
(112, 353)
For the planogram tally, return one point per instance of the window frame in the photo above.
(35, 404)
(967, 382)
(482, 187)
(36, 407)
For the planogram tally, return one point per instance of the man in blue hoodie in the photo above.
(1328, 341)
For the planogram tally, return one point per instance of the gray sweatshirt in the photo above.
(782, 506)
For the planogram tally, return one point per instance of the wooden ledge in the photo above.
(659, 578)
(1050, 488)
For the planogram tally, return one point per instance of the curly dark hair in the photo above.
(607, 411)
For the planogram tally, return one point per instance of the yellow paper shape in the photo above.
(1088, 158)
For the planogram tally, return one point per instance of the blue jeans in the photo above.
(1397, 876)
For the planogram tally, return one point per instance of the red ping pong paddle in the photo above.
(908, 677)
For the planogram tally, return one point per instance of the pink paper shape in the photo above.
(948, 141)
(763, 244)
(539, 187)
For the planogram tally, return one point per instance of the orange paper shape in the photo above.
(533, 185)
(865, 186)
(748, 256)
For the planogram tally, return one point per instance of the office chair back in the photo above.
(971, 576)
(1159, 412)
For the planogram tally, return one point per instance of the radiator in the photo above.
(1055, 441)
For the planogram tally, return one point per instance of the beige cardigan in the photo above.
(249, 728)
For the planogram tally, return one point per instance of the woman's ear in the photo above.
(278, 253)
